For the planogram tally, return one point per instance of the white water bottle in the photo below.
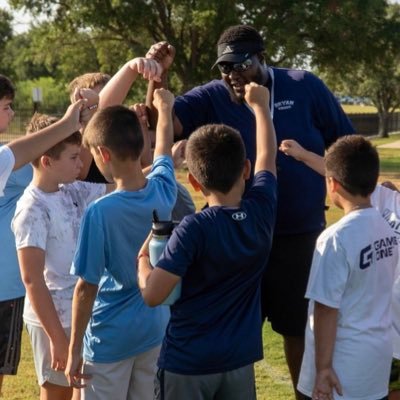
(162, 231)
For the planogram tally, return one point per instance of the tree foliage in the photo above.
(354, 42)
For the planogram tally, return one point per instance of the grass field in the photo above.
(272, 376)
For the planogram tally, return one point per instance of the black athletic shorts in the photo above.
(284, 283)
(10, 335)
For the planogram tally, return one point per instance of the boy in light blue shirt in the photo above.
(123, 335)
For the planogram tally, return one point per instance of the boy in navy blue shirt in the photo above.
(214, 334)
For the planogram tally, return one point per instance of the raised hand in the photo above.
(150, 69)
(178, 153)
(163, 53)
(163, 100)
(291, 148)
(256, 95)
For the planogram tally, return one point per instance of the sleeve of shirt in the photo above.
(383, 195)
(31, 225)
(329, 273)
(263, 194)
(328, 115)
(89, 260)
(7, 162)
(193, 109)
(163, 171)
(182, 247)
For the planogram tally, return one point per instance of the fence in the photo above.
(368, 124)
(364, 124)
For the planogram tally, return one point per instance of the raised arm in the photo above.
(257, 97)
(118, 87)
(30, 147)
(291, 148)
(164, 54)
(163, 102)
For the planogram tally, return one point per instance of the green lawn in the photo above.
(272, 376)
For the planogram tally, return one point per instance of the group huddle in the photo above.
(76, 222)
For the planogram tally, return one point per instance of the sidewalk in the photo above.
(393, 145)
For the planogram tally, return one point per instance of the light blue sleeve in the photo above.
(89, 260)
(163, 172)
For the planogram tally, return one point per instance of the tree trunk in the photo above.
(383, 124)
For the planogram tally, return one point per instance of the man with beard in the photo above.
(302, 108)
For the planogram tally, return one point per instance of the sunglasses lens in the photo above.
(227, 68)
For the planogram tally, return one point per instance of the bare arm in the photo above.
(257, 97)
(291, 148)
(325, 326)
(82, 305)
(163, 101)
(31, 261)
(30, 147)
(154, 284)
(118, 87)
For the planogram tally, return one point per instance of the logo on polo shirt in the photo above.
(284, 105)
(239, 216)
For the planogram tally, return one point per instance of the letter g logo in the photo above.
(366, 257)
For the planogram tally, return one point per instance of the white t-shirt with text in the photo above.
(353, 270)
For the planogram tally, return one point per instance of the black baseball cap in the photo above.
(237, 52)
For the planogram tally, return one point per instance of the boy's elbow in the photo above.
(151, 299)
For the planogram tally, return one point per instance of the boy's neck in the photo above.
(231, 199)
(128, 176)
(45, 183)
(356, 203)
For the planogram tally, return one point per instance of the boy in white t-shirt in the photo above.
(348, 335)
(386, 199)
(46, 226)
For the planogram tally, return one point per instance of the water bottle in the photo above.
(162, 231)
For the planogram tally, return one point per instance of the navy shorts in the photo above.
(285, 281)
(10, 335)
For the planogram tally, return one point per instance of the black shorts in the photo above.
(10, 335)
(284, 283)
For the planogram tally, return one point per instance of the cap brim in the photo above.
(231, 58)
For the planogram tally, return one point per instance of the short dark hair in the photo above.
(41, 121)
(215, 156)
(7, 89)
(118, 128)
(354, 162)
(240, 33)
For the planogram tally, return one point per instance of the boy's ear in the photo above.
(45, 161)
(193, 181)
(104, 154)
(333, 184)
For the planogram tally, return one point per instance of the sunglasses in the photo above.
(227, 68)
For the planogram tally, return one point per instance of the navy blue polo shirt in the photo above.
(305, 110)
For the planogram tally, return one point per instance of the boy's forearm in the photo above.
(265, 141)
(28, 148)
(82, 305)
(164, 133)
(118, 87)
(314, 161)
(325, 327)
(151, 87)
